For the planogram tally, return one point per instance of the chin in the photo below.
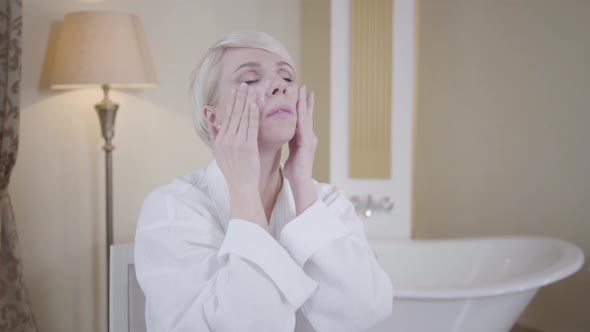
(277, 134)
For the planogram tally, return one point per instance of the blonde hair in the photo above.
(204, 79)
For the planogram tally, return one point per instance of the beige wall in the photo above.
(503, 127)
(58, 183)
(315, 68)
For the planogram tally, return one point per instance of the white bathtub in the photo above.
(469, 285)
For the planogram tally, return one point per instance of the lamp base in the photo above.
(107, 111)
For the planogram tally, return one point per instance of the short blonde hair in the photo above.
(204, 79)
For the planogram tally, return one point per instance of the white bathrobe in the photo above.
(201, 271)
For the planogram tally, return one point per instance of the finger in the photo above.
(266, 88)
(253, 119)
(242, 131)
(224, 123)
(302, 104)
(310, 102)
(236, 114)
(261, 101)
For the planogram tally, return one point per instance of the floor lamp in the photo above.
(107, 50)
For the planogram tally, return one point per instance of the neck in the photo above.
(270, 177)
(270, 163)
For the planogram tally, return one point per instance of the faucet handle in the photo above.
(364, 205)
(356, 201)
(386, 203)
(369, 205)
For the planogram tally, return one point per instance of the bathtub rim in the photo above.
(571, 260)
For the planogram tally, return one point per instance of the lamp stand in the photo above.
(107, 111)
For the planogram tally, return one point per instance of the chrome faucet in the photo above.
(368, 205)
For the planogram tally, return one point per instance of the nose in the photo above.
(277, 87)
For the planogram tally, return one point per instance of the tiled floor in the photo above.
(519, 328)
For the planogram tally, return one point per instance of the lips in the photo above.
(280, 111)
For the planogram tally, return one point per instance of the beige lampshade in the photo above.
(100, 47)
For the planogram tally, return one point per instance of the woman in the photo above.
(246, 244)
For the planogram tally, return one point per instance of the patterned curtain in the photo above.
(15, 308)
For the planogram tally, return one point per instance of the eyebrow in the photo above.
(257, 65)
(284, 63)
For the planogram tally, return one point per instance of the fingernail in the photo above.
(243, 87)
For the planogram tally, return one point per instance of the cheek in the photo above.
(222, 104)
(259, 89)
(291, 98)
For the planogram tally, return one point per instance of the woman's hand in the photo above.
(302, 146)
(299, 165)
(235, 146)
(235, 141)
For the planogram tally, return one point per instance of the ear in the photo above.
(209, 114)
(212, 121)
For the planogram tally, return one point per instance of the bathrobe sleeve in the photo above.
(328, 241)
(195, 278)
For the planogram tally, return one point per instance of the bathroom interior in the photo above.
(459, 130)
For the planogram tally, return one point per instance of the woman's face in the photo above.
(273, 79)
